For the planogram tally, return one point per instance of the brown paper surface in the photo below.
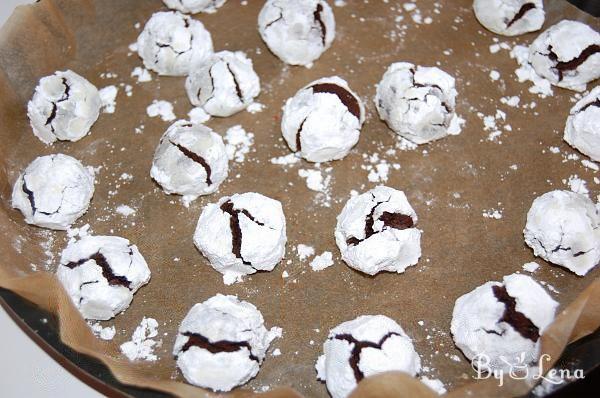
(449, 183)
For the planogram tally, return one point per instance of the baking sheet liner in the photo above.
(450, 183)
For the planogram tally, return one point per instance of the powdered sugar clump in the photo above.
(492, 213)
(435, 384)
(304, 251)
(198, 115)
(141, 346)
(525, 72)
(577, 185)
(322, 261)
(286, 160)
(255, 107)
(319, 181)
(164, 109)
(105, 333)
(531, 267)
(108, 96)
(142, 74)
(238, 143)
(125, 210)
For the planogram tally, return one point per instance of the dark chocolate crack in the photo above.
(317, 17)
(298, 142)
(196, 158)
(54, 111)
(520, 14)
(357, 347)
(66, 92)
(236, 230)
(593, 103)
(238, 90)
(514, 318)
(30, 196)
(431, 91)
(197, 340)
(345, 96)
(107, 272)
(565, 66)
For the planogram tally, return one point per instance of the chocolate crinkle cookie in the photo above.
(251, 233)
(190, 160)
(322, 121)
(498, 325)
(172, 43)
(510, 17)
(224, 84)
(582, 130)
(418, 103)
(222, 342)
(53, 191)
(64, 107)
(376, 231)
(363, 347)
(194, 6)
(101, 274)
(567, 54)
(563, 227)
(297, 31)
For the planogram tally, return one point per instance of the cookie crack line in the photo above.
(564, 66)
(521, 13)
(344, 96)
(54, 111)
(30, 196)
(236, 230)
(276, 19)
(298, 142)
(198, 340)
(238, 90)
(593, 103)
(317, 17)
(107, 272)
(391, 220)
(523, 325)
(431, 92)
(196, 158)
(358, 346)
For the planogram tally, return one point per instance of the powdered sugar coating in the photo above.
(251, 231)
(297, 32)
(64, 107)
(481, 330)
(232, 342)
(417, 102)
(582, 130)
(385, 347)
(376, 232)
(567, 54)
(101, 274)
(53, 191)
(563, 227)
(195, 6)
(190, 160)
(224, 84)
(172, 43)
(510, 17)
(321, 125)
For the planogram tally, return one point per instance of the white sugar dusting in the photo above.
(108, 96)
(238, 143)
(162, 109)
(142, 345)
(322, 261)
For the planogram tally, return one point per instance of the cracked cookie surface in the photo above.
(376, 231)
(322, 121)
(510, 17)
(297, 32)
(221, 343)
(194, 6)
(53, 191)
(190, 160)
(417, 102)
(101, 274)
(498, 325)
(64, 107)
(563, 227)
(365, 346)
(223, 85)
(172, 43)
(582, 130)
(567, 54)
(252, 235)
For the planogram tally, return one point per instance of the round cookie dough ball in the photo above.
(190, 160)
(582, 130)
(498, 325)
(172, 44)
(101, 274)
(510, 17)
(297, 31)
(418, 103)
(563, 227)
(223, 85)
(365, 346)
(376, 231)
(64, 107)
(322, 121)
(195, 6)
(53, 191)
(567, 54)
(250, 231)
(222, 342)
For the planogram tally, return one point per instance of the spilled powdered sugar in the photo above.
(108, 96)
(104, 333)
(525, 72)
(322, 261)
(304, 251)
(164, 109)
(238, 143)
(141, 346)
(318, 180)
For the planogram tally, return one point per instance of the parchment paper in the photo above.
(450, 183)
